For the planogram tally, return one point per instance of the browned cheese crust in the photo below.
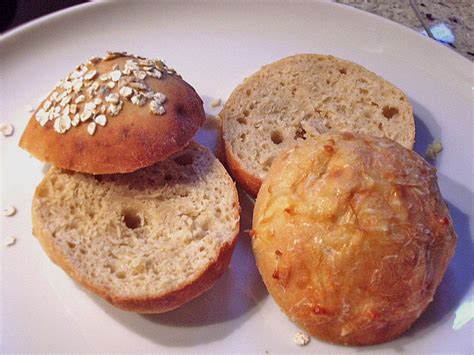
(352, 237)
(132, 139)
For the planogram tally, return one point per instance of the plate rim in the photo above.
(31, 25)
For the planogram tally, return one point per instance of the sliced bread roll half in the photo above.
(147, 241)
(303, 96)
(114, 114)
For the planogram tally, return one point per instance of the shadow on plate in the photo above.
(213, 315)
(424, 135)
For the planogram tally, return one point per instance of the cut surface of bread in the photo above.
(303, 96)
(114, 114)
(146, 241)
(352, 236)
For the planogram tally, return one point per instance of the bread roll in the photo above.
(147, 241)
(114, 114)
(352, 237)
(303, 96)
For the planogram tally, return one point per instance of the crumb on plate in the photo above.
(215, 103)
(9, 211)
(7, 129)
(301, 339)
(433, 149)
(10, 241)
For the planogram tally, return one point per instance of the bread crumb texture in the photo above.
(302, 96)
(352, 236)
(139, 235)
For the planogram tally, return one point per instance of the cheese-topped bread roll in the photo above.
(352, 237)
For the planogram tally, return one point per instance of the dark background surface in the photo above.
(16, 12)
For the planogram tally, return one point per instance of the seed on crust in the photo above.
(90, 75)
(79, 99)
(91, 128)
(101, 120)
(115, 75)
(126, 91)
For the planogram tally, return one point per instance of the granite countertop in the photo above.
(451, 22)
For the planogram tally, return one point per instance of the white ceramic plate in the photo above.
(214, 46)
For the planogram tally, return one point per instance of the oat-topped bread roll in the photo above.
(303, 96)
(146, 241)
(114, 114)
(352, 236)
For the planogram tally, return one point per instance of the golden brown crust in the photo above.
(352, 237)
(250, 183)
(133, 139)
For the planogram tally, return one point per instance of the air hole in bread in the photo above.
(389, 111)
(121, 274)
(328, 81)
(242, 120)
(251, 106)
(363, 91)
(82, 251)
(300, 133)
(110, 267)
(242, 137)
(131, 218)
(184, 159)
(343, 71)
(245, 113)
(248, 92)
(267, 164)
(71, 245)
(277, 137)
